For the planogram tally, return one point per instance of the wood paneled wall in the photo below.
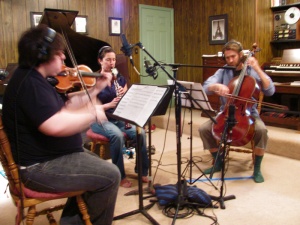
(249, 21)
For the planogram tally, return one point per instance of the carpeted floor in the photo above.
(273, 202)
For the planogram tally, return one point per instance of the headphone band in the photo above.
(233, 42)
(102, 49)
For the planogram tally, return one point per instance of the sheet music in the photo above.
(198, 94)
(139, 102)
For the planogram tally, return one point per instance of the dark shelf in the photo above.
(285, 41)
(282, 7)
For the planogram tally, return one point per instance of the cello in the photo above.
(242, 89)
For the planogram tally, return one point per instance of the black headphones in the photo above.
(43, 47)
(229, 43)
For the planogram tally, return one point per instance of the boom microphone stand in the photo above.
(223, 147)
(181, 199)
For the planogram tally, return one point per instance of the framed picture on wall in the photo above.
(80, 24)
(35, 18)
(115, 26)
(218, 29)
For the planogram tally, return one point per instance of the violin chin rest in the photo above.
(53, 81)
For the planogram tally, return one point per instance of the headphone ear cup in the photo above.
(42, 53)
(44, 45)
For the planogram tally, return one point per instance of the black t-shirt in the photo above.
(36, 100)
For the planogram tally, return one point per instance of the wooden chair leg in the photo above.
(253, 153)
(93, 146)
(30, 215)
(51, 219)
(102, 151)
(83, 209)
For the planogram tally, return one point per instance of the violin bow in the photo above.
(74, 63)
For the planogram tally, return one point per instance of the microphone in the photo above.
(126, 48)
(151, 70)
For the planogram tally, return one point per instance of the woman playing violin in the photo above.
(45, 132)
(114, 129)
(218, 84)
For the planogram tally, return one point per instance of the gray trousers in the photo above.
(74, 172)
(209, 142)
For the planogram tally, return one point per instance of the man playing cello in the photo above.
(218, 83)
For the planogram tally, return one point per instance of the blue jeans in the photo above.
(113, 130)
(73, 172)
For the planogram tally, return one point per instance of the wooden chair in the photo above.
(25, 198)
(97, 139)
(246, 149)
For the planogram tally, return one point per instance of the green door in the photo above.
(157, 37)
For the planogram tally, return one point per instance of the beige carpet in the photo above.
(274, 202)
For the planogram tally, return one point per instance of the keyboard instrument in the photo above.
(285, 73)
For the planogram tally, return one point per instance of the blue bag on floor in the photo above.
(168, 194)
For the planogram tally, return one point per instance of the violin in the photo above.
(242, 90)
(69, 78)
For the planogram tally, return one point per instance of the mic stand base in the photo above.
(223, 147)
(221, 200)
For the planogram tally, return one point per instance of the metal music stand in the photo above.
(126, 116)
(159, 112)
(196, 91)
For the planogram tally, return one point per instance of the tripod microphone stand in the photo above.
(181, 201)
(222, 150)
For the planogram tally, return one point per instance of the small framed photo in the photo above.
(218, 29)
(80, 24)
(35, 18)
(115, 26)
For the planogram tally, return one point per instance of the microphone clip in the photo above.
(151, 70)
